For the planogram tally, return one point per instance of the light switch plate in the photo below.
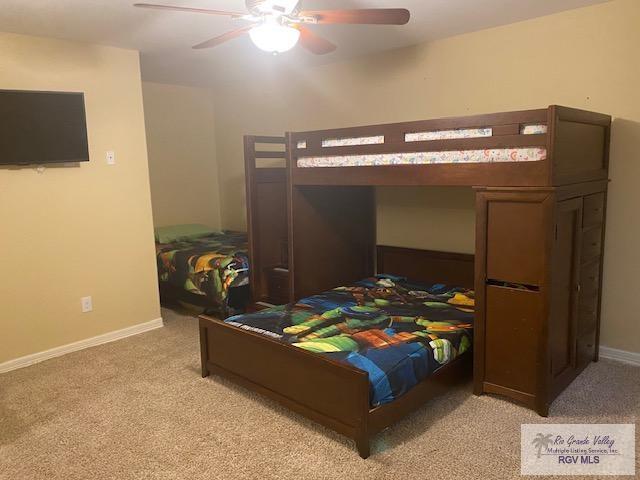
(111, 157)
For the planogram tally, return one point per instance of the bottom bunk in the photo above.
(356, 358)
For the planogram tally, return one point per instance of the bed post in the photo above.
(362, 444)
(362, 430)
(204, 350)
(249, 173)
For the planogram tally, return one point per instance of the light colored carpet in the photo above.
(138, 409)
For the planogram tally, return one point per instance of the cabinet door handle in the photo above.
(578, 288)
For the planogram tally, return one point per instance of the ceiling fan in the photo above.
(278, 25)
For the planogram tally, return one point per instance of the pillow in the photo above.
(171, 233)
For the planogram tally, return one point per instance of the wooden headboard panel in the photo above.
(426, 266)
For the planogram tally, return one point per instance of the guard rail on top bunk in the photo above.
(545, 147)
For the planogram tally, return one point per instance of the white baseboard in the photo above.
(632, 358)
(80, 345)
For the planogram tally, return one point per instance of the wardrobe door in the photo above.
(563, 324)
(513, 247)
(516, 233)
(512, 328)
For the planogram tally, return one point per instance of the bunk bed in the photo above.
(541, 179)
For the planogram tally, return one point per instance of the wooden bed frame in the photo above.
(331, 393)
(538, 264)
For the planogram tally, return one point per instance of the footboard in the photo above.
(330, 393)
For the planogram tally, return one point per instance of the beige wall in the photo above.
(182, 159)
(80, 230)
(585, 58)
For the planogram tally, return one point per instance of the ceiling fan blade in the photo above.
(188, 9)
(223, 38)
(370, 16)
(314, 43)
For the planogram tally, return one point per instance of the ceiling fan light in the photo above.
(273, 37)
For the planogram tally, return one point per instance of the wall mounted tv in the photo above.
(42, 127)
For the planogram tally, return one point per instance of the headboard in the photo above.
(426, 266)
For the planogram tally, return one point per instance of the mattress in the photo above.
(208, 266)
(527, 154)
(398, 331)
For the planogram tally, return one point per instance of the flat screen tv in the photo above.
(42, 127)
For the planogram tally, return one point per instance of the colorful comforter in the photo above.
(207, 266)
(397, 331)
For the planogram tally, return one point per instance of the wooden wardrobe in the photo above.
(539, 255)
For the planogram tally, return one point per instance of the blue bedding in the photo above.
(397, 331)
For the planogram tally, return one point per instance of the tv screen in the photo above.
(42, 127)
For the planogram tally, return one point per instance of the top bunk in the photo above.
(530, 148)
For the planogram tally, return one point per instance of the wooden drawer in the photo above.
(586, 348)
(512, 328)
(516, 240)
(587, 313)
(590, 279)
(593, 210)
(589, 298)
(278, 285)
(587, 321)
(588, 304)
(591, 244)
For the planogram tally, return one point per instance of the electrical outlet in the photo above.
(87, 304)
(111, 157)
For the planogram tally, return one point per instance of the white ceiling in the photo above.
(165, 38)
